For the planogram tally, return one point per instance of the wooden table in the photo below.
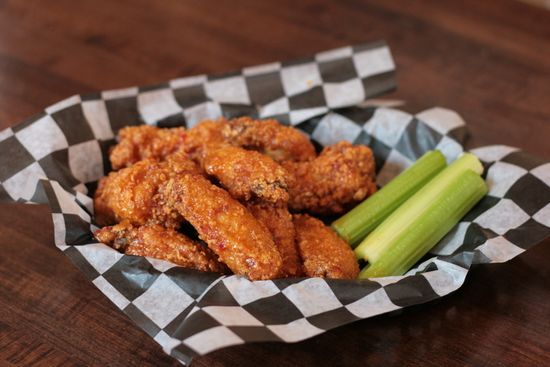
(488, 60)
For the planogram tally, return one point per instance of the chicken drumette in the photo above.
(278, 221)
(340, 177)
(323, 252)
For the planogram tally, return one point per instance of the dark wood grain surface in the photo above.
(489, 60)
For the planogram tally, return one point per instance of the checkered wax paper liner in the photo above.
(57, 157)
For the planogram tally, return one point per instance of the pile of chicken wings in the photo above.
(233, 196)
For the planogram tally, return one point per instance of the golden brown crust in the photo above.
(114, 236)
(132, 193)
(339, 178)
(143, 142)
(202, 135)
(281, 143)
(247, 175)
(155, 241)
(279, 223)
(129, 194)
(228, 228)
(323, 252)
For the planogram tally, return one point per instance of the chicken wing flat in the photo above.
(282, 143)
(247, 175)
(155, 241)
(324, 254)
(142, 142)
(340, 177)
(279, 223)
(229, 229)
(132, 193)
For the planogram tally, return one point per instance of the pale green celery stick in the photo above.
(365, 217)
(430, 223)
(376, 243)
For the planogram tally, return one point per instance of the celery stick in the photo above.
(381, 238)
(430, 223)
(362, 219)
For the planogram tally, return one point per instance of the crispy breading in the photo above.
(279, 223)
(247, 175)
(202, 135)
(156, 241)
(229, 229)
(142, 142)
(323, 252)
(282, 143)
(339, 178)
(132, 193)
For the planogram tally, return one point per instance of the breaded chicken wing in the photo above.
(323, 252)
(155, 241)
(282, 143)
(247, 175)
(279, 222)
(142, 142)
(229, 229)
(132, 193)
(340, 177)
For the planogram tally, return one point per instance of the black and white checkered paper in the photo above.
(57, 157)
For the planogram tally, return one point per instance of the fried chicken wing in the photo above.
(340, 177)
(282, 143)
(323, 252)
(247, 175)
(132, 193)
(155, 241)
(279, 222)
(229, 229)
(142, 142)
